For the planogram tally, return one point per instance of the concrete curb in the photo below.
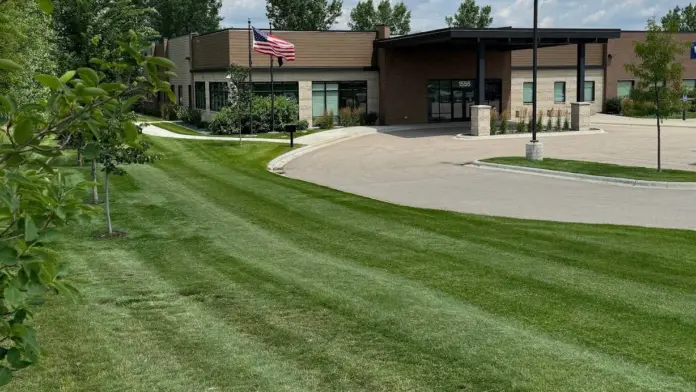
(585, 177)
(527, 135)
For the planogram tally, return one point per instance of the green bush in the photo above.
(348, 117)
(189, 115)
(167, 111)
(302, 125)
(521, 125)
(231, 118)
(540, 122)
(504, 123)
(370, 118)
(612, 105)
(633, 108)
(566, 124)
(326, 121)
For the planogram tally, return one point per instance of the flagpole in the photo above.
(270, 32)
(251, 89)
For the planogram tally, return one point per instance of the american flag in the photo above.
(273, 46)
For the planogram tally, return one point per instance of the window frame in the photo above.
(180, 95)
(279, 89)
(200, 97)
(565, 96)
(532, 93)
(338, 84)
(618, 82)
(213, 88)
(593, 91)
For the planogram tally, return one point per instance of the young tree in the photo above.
(364, 16)
(174, 18)
(685, 18)
(470, 16)
(303, 14)
(659, 74)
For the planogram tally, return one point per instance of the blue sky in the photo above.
(430, 14)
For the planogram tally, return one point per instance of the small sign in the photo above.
(693, 50)
(467, 83)
(685, 98)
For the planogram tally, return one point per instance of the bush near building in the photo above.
(230, 119)
(190, 115)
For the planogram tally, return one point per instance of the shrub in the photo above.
(549, 124)
(558, 122)
(493, 121)
(521, 125)
(370, 118)
(189, 115)
(168, 111)
(348, 117)
(326, 121)
(302, 125)
(540, 122)
(504, 123)
(633, 108)
(231, 118)
(566, 124)
(612, 105)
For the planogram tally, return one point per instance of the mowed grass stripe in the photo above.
(339, 296)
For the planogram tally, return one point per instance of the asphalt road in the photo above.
(424, 169)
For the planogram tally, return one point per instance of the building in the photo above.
(425, 77)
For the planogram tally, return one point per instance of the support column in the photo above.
(481, 74)
(581, 74)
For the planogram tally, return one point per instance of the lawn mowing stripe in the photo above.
(247, 229)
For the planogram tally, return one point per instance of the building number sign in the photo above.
(465, 83)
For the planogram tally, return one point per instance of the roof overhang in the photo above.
(505, 38)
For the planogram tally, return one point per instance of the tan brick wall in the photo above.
(559, 56)
(304, 80)
(179, 50)
(546, 79)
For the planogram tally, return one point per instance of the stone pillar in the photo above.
(480, 120)
(534, 151)
(305, 100)
(580, 116)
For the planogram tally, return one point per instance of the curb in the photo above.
(462, 136)
(586, 177)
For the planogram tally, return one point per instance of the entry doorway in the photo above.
(451, 100)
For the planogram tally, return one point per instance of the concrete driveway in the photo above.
(422, 168)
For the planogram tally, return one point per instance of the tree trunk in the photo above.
(659, 144)
(95, 193)
(80, 160)
(106, 200)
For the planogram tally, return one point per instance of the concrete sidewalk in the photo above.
(616, 120)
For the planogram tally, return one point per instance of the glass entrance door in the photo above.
(450, 100)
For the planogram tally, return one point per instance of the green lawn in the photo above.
(171, 127)
(235, 279)
(599, 169)
(146, 118)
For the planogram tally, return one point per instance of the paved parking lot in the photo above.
(423, 168)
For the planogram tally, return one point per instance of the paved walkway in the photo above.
(601, 119)
(424, 169)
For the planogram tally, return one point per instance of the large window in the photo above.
(324, 99)
(352, 95)
(288, 89)
(559, 92)
(218, 95)
(624, 88)
(200, 95)
(589, 92)
(527, 93)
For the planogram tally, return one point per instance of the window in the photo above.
(527, 96)
(200, 95)
(180, 96)
(190, 96)
(352, 95)
(218, 95)
(589, 92)
(559, 92)
(624, 88)
(690, 84)
(288, 89)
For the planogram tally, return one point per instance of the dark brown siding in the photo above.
(621, 52)
(211, 51)
(555, 56)
(313, 48)
(404, 75)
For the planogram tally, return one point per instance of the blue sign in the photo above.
(684, 98)
(693, 50)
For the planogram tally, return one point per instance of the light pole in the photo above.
(534, 149)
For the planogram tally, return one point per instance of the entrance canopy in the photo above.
(504, 38)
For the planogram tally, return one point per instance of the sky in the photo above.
(430, 14)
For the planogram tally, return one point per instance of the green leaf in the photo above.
(9, 65)
(49, 81)
(67, 76)
(130, 131)
(89, 76)
(30, 231)
(130, 102)
(162, 62)
(112, 86)
(5, 376)
(94, 92)
(91, 150)
(8, 256)
(46, 6)
(14, 357)
(32, 106)
(60, 213)
(8, 103)
(13, 297)
(23, 131)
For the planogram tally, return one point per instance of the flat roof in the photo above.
(502, 38)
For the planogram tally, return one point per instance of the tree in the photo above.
(685, 18)
(174, 18)
(470, 16)
(364, 17)
(36, 199)
(658, 73)
(303, 14)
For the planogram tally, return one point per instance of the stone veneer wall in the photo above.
(546, 79)
(304, 81)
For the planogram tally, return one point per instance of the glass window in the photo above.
(690, 84)
(559, 92)
(288, 89)
(332, 96)
(218, 95)
(352, 95)
(527, 96)
(190, 97)
(200, 95)
(624, 88)
(589, 92)
(180, 95)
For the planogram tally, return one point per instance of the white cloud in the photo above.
(594, 17)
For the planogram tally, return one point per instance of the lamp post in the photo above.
(534, 149)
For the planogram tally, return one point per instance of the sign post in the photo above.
(685, 99)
